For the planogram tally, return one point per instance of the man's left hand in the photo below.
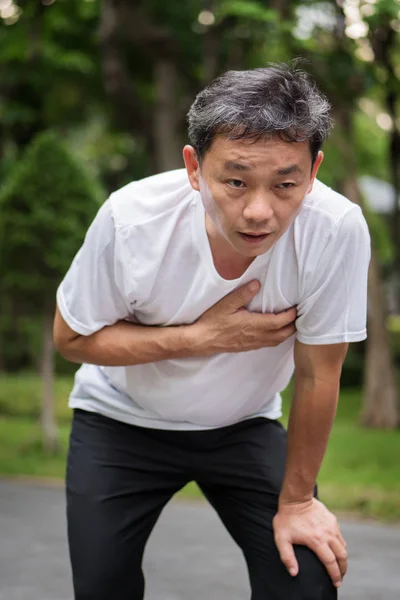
(310, 524)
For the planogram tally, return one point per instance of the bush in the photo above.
(46, 206)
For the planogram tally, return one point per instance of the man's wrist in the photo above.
(192, 340)
(296, 505)
(296, 494)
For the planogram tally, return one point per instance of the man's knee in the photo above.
(270, 579)
(313, 581)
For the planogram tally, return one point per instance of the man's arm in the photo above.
(121, 344)
(301, 519)
(225, 327)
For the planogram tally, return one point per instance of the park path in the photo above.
(189, 556)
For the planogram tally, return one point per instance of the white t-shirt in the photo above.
(146, 257)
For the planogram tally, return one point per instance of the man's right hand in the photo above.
(229, 327)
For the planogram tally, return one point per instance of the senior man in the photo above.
(194, 297)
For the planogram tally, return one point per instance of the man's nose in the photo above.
(258, 208)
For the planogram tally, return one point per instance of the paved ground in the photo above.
(189, 556)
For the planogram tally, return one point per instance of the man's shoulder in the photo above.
(327, 206)
(324, 226)
(151, 198)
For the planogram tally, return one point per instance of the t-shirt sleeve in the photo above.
(91, 294)
(333, 308)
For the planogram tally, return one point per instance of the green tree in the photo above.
(45, 209)
(49, 68)
(383, 25)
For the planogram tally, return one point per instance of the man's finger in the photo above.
(276, 322)
(341, 555)
(285, 318)
(328, 558)
(286, 332)
(341, 539)
(241, 296)
(274, 336)
(288, 557)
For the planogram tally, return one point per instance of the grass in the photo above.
(20, 396)
(360, 473)
(21, 452)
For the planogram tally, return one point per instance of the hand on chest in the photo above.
(182, 300)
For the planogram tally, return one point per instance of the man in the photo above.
(194, 296)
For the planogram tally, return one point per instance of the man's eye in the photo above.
(285, 186)
(236, 183)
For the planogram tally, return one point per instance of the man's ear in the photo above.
(192, 166)
(316, 166)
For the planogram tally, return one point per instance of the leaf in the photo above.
(247, 10)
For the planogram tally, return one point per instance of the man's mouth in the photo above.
(253, 238)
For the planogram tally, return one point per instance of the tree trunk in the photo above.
(381, 407)
(394, 152)
(384, 41)
(48, 423)
(281, 6)
(211, 45)
(166, 117)
(211, 55)
(130, 114)
(380, 392)
(158, 126)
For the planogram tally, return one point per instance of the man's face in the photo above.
(251, 191)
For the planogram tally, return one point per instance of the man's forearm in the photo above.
(126, 344)
(310, 423)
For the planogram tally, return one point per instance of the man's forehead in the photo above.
(245, 155)
(232, 165)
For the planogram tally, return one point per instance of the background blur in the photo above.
(93, 94)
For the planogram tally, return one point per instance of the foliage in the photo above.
(49, 67)
(246, 10)
(61, 43)
(46, 207)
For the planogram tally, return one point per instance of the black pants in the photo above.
(119, 477)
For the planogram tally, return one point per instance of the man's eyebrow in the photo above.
(289, 170)
(231, 165)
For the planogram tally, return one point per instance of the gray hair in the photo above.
(277, 101)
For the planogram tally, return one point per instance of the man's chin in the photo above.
(253, 248)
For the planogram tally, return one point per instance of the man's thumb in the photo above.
(244, 294)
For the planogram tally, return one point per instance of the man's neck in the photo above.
(228, 263)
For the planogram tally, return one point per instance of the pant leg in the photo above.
(243, 485)
(119, 477)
